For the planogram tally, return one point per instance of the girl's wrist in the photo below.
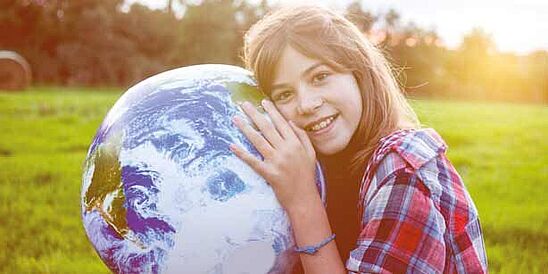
(304, 198)
(310, 223)
(312, 249)
(304, 207)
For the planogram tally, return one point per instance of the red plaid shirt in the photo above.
(417, 216)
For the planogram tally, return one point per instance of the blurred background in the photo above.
(474, 70)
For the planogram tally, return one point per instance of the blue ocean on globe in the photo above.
(163, 193)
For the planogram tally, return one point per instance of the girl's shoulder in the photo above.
(405, 152)
(415, 146)
(416, 158)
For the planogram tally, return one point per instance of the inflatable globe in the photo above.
(163, 193)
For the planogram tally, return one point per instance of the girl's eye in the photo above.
(320, 77)
(281, 96)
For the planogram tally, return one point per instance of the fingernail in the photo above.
(233, 148)
(236, 120)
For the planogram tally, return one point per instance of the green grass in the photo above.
(501, 152)
(499, 149)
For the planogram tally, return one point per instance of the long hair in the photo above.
(324, 35)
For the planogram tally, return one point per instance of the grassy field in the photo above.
(499, 149)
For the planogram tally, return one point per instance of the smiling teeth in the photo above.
(323, 124)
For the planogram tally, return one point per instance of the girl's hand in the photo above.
(289, 158)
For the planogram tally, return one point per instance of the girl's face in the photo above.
(325, 103)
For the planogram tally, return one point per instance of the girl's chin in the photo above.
(328, 149)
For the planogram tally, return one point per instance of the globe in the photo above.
(162, 192)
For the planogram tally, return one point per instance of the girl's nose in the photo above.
(309, 103)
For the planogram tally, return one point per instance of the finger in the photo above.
(303, 137)
(277, 119)
(260, 143)
(265, 127)
(255, 163)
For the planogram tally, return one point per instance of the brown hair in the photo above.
(321, 34)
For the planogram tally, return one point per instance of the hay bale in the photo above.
(15, 71)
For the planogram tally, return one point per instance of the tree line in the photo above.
(106, 43)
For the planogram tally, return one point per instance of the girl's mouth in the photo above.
(321, 125)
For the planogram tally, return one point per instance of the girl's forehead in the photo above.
(292, 63)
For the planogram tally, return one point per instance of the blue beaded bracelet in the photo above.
(312, 249)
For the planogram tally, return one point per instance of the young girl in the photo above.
(395, 202)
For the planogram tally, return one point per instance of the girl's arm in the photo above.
(311, 226)
(289, 167)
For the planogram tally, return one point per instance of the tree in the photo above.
(473, 68)
(477, 43)
(209, 33)
(363, 19)
(88, 42)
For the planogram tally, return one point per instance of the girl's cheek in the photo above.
(286, 113)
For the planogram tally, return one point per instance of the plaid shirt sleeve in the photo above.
(417, 216)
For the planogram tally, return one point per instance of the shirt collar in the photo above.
(417, 147)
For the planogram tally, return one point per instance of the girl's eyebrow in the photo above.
(304, 73)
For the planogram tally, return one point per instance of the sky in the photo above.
(519, 26)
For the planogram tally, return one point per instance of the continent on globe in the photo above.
(163, 193)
